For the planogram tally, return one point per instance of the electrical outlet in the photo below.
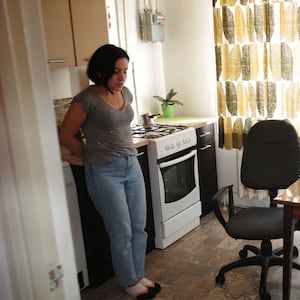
(55, 274)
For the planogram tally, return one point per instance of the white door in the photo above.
(34, 223)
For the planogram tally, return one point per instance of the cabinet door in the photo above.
(58, 33)
(143, 160)
(207, 166)
(90, 27)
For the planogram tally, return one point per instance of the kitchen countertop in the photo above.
(187, 121)
(139, 142)
(180, 120)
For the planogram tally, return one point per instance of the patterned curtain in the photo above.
(257, 46)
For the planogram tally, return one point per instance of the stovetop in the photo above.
(156, 131)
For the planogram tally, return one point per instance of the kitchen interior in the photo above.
(175, 52)
(189, 136)
(168, 147)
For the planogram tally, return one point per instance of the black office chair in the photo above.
(270, 162)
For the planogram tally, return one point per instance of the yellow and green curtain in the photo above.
(257, 47)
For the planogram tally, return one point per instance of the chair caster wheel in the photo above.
(243, 253)
(266, 296)
(220, 279)
(295, 252)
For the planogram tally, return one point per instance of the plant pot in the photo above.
(169, 111)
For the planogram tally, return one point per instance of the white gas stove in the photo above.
(173, 169)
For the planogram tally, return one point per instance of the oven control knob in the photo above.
(186, 140)
(178, 144)
(167, 147)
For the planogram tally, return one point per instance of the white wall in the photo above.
(147, 59)
(185, 60)
(188, 53)
(189, 67)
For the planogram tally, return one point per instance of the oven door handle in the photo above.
(178, 160)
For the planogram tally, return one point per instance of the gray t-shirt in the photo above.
(107, 130)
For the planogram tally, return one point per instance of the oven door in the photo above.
(178, 182)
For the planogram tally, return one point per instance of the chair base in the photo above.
(279, 251)
(264, 257)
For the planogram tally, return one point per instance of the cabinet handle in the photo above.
(205, 147)
(140, 153)
(205, 134)
(53, 61)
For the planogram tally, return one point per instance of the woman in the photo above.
(114, 178)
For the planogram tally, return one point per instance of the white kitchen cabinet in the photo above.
(76, 227)
(74, 29)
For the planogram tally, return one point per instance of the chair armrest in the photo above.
(217, 197)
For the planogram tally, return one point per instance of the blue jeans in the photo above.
(118, 192)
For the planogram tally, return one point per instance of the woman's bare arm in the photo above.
(68, 131)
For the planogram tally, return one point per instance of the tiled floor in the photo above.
(186, 270)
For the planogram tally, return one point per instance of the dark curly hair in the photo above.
(101, 66)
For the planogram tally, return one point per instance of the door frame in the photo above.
(34, 220)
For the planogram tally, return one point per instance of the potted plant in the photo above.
(168, 103)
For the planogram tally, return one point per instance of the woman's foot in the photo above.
(140, 292)
(151, 285)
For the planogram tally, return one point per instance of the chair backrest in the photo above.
(271, 155)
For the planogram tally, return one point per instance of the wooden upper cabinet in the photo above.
(58, 31)
(90, 27)
(74, 29)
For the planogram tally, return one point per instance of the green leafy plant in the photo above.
(168, 100)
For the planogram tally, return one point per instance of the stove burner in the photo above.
(156, 131)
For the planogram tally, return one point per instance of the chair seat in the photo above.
(256, 223)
